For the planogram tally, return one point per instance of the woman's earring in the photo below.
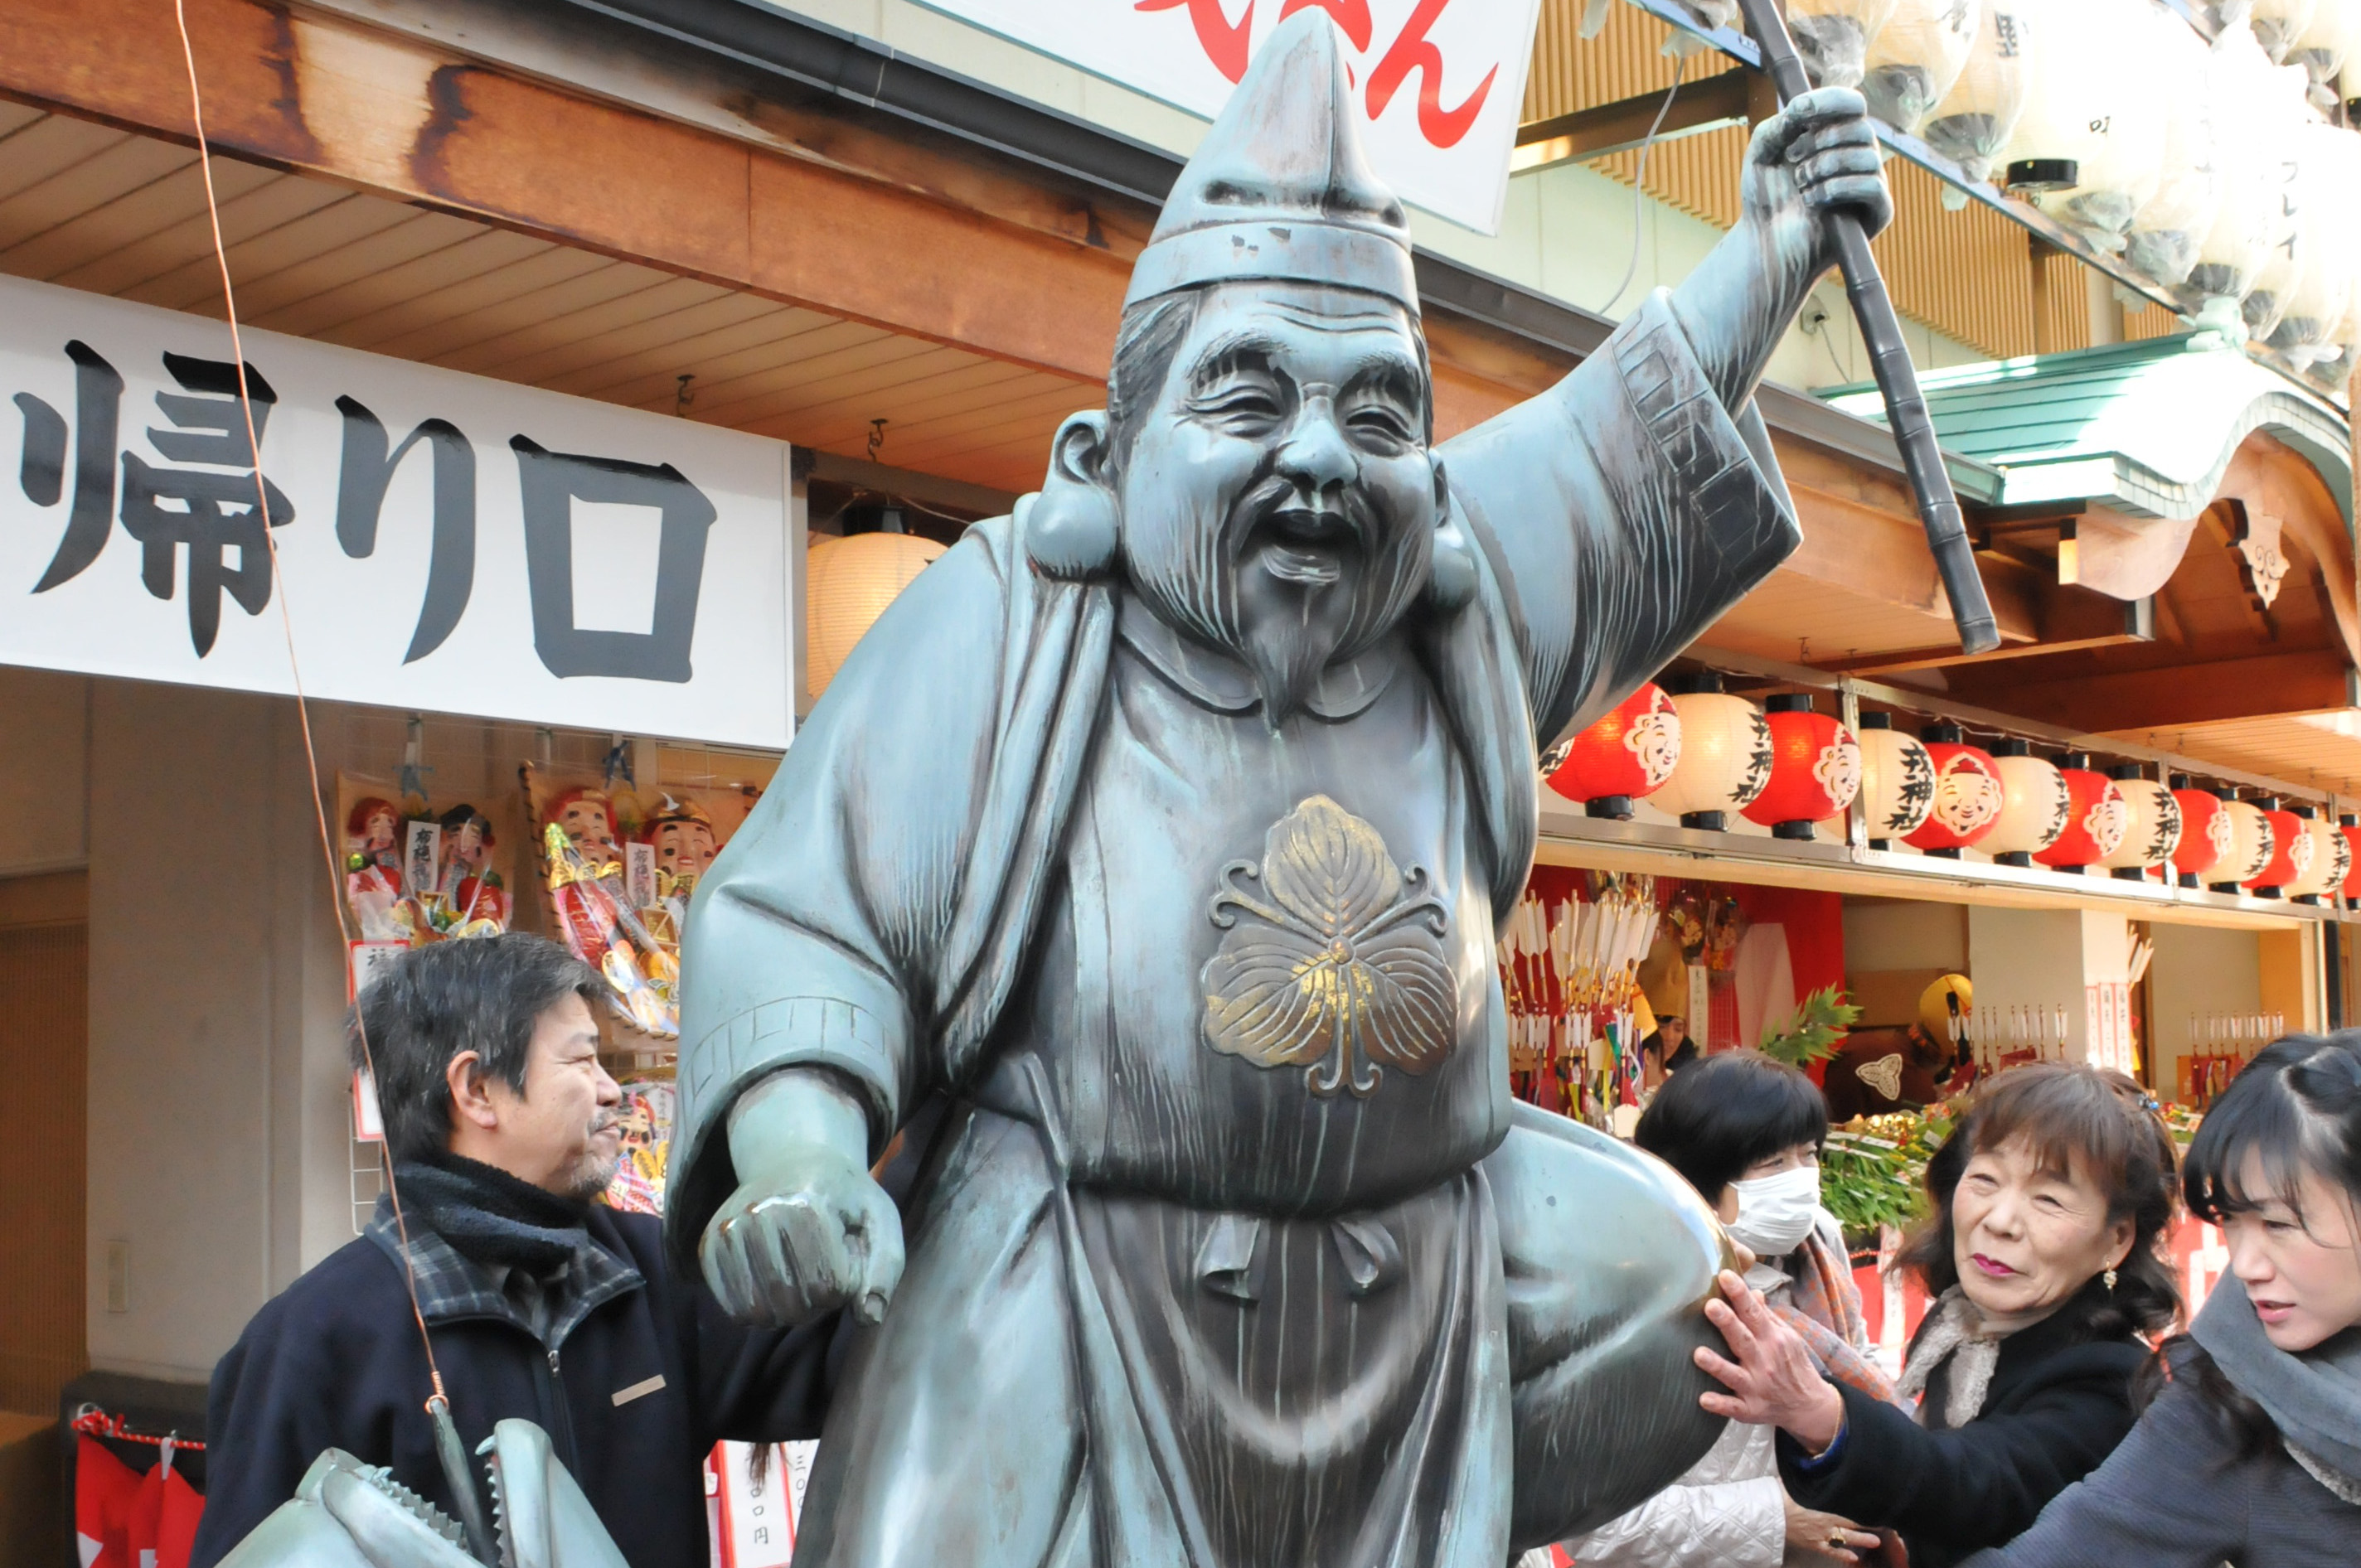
(2110, 1277)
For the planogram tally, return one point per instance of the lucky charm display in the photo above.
(413, 874)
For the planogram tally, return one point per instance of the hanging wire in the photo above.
(294, 668)
(1640, 181)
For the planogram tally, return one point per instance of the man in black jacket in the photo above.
(539, 1302)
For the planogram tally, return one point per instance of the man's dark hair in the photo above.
(1716, 1117)
(482, 995)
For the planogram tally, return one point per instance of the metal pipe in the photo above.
(1897, 379)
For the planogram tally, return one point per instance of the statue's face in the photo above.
(1280, 501)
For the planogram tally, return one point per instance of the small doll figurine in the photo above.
(586, 816)
(586, 894)
(1723, 928)
(373, 869)
(685, 843)
(474, 900)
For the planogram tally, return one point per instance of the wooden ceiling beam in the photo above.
(2266, 685)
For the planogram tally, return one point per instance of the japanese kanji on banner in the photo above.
(445, 542)
(1440, 80)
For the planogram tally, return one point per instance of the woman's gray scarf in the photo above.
(2313, 1399)
(1955, 1334)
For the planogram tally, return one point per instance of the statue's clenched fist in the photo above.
(1817, 157)
(808, 1230)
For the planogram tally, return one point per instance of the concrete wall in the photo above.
(2202, 970)
(216, 1107)
(44, 771)
(1893, 935)
(2027, 957)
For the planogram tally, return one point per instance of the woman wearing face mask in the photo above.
(1746, 1131)
(2251, 1454)
(2041, 1257)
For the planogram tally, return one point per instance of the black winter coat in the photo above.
(2181, 1492)
(2060, 1401)
(633, 1397)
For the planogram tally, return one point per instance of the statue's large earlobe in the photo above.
(1451, 581)
(1069, 530)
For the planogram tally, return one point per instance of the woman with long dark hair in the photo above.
(2042, 1261)
(2251, 1454)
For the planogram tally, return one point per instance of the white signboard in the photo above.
(1440, 83)
(444, 543)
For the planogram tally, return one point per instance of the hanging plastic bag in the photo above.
(2171, 225)
(2311, 307)
(1979, 113)
(1832, 36)
(2247, 96)
(1915, 58)
(2281, 115)
(2093, 113)
(2323, 47)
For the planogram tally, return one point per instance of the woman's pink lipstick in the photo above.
(2274, 1312)
(1991, 1265)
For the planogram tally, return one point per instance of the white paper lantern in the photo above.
(1725, 756)
(2091, 103)
(2328, 183)
(1917, 56)
(2253, 102)
(2324, 868)
(1897, 779)
(2250, 846)
(2324, 45)
(1833, 37)
(847, 582)
(2151, 827)
(2171, 225)
(1979, 114)
(2278, 25)
(2033, 804)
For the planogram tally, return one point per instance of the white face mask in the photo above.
(1776, 1212)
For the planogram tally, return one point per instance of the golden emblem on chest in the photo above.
(1332, 957)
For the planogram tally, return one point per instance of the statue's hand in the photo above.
(808, 1230)
(1814, 159)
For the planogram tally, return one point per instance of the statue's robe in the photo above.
(1212, 1266)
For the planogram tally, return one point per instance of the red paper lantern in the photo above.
(2204, 831)
(1628, 753)
(1968, 793)
(2290, 851)
(2096, 816)
(1815, 769)
(2350, 825)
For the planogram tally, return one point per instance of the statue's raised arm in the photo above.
(1140, 869)
(1638, 500)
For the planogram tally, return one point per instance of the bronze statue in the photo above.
(1143, 865)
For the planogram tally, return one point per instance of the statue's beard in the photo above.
(1287, 586)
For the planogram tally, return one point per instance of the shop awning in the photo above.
(2146, 429)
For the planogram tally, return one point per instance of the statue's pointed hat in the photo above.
(1282, 189)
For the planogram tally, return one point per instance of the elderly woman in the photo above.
(1746, 1131)
(2252, 1454)
(2042, 1260)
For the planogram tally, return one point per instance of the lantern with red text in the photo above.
(1725, 759)
(2204, 831)
(2290, 856)
(1627, 755)
(2151, 825)
(2349, 825)
(2250, 845)
(1815, 769)
(2328, 863)
(2034, 805)
(1967, 795)
(1897, 781)
(2096, 817)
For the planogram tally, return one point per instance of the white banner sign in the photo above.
(1440, 83)
(445, 542)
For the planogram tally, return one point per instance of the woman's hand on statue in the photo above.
(1815, 1538)
(1814, 159)
(1773, 1382)
(808, 1230)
